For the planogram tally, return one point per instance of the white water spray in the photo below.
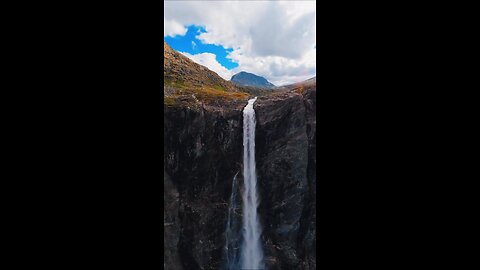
(251, 252)
(230, 232)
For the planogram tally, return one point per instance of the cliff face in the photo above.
(203, 151)
(285, 161)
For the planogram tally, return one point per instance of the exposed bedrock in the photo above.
(203, 151)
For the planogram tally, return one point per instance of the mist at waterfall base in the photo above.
(251, 253)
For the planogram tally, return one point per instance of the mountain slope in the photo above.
(300, 86)
(249, 79)
(181, 70)
(188, 84)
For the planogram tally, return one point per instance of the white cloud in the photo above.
(269, 38)
(172, 28)
(209, 60)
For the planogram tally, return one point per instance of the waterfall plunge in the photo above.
(251, 250)
(230, 233)
(251, 254)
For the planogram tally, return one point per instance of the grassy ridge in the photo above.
(181, 93)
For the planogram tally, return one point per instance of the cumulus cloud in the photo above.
(173, 28)
(269, 38)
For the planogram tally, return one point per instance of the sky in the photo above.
(273, 39)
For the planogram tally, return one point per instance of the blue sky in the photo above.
(272, 39)
(190, 44)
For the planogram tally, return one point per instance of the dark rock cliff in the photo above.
(285, 153)
(203, 151)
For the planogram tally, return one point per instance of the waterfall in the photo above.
(251, 254)
(231, 237)
(251, 250)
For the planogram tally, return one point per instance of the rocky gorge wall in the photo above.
(202, 153)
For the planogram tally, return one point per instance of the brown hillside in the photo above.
(178, 69)
(300, 87)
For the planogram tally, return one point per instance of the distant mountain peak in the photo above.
(249, 79)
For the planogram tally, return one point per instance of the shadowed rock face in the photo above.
(203, 152)
(171, 232)
(308, 239)
(282, 146)
(286, 164)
